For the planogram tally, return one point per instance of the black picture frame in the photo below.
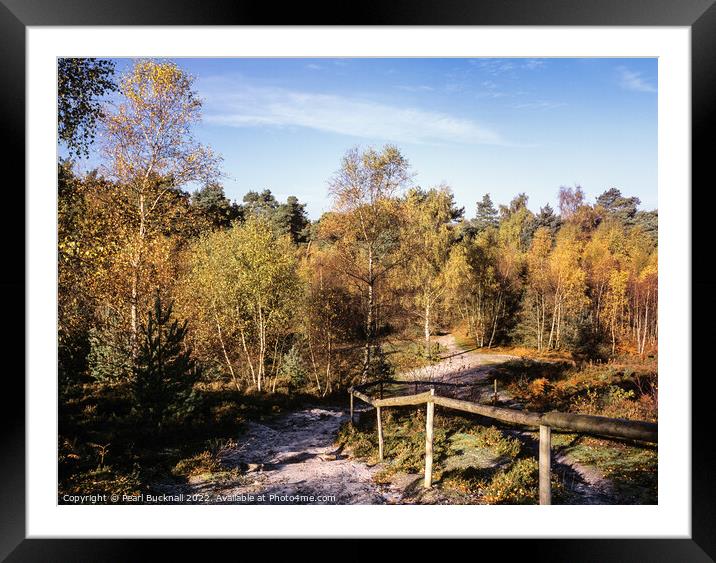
(17, 15)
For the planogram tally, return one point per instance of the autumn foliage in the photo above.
(256, 281)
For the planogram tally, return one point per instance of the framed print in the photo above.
(422, 274)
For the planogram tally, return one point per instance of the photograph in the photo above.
(357, 281)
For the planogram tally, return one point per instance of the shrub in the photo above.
(493, 438)
(615, 402)
(200, 464)
(517, 485)
(361, 444)
(406, 450)
(380, 367)
(293, 370)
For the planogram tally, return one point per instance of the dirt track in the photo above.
(294, 458)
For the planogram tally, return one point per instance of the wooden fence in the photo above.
(567, 422)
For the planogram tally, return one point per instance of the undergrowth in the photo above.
(102, 448)
(481, 464)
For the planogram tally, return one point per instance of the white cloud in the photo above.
(532, 64)
(496, 67)
(313, 66)
(632, 80)
(419, 88)
(540, 104)
(237, 103)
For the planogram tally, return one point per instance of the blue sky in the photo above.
(501, 126)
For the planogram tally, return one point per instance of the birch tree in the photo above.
(243, 287)
(366, 225)
(150, 150)
(428, 238)
(538, 283)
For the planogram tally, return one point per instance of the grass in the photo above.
(103, 447)
(472, 463)
(463, 341)
(627, 388)
(632, 471)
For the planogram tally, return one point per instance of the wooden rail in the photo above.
(568, 422)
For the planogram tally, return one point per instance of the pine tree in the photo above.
(164, 372)
(616, 205)
(290, 219)
(547, 218)
(486, 214)
(211, 202)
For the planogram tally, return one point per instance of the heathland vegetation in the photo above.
(183, 313)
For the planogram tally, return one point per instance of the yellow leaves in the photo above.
(149, 133)
(246, 276)
(650, 272)
(616, 296)
(149, 79)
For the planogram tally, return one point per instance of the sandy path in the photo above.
(292, 458)
(458, 366)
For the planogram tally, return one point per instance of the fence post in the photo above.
(545, 454)
(494, 396)
(380, 435)
(351, 407)
(429, 441)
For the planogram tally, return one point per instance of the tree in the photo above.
(603, 254)
(642, 291)
(110, 349)
(164, 373)
(263, 204)
(622, 208)
(366, 225)
(486, 214)
(151, 152)
(538, 282)
(615, 303)
(81, 83)
(90, 236)
(428, 236)
(480, 275)
(215, 207)
(290, 219)
(517, 224)
(568, 281)
(570, 199)
(330, 315)
(648, 222)
(547, 218)
(287, 218)
(241, 288)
